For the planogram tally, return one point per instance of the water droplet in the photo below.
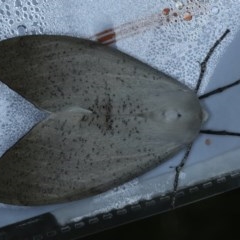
(18, 13)
(11, 22)
(35, 2)
(18, 3)
(165, 11)
(24, 8)
(175, 14)
(208, 141)
(187, 16)
(215, 10)
(179, 5)
(22, 29)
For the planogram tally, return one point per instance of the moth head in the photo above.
(179, 116)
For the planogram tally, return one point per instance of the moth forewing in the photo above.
(111, 118)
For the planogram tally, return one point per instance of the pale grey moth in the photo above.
(110, 118)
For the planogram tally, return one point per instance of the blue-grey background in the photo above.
(173, 47)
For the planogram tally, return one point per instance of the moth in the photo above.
(110, 118)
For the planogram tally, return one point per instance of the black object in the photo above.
(45, 226)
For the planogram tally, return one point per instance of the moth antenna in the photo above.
(220, 90)
(178, 169)
(203, 64)
(221, 132)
